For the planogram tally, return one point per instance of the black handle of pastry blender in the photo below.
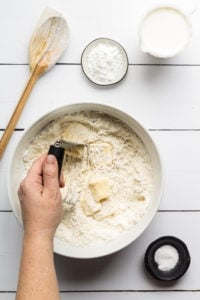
(58, 152)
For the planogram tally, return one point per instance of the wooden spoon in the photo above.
(47, 44)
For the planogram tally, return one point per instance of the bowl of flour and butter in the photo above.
(112, 191)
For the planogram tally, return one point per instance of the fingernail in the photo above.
(50, 159)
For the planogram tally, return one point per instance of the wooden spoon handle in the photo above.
(18, 110)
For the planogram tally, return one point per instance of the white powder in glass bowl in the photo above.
(106, 193)
(104, 61)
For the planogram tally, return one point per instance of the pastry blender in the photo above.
(60, 146)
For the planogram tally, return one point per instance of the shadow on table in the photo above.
(74, 271)
(158, 284)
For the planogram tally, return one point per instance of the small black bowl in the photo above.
(181, 266)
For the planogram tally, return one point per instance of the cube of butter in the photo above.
(89, 205)
(75, 132)
(100, 189)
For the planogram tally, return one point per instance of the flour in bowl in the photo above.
(106, 193)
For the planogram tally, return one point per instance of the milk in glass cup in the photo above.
(164, 31)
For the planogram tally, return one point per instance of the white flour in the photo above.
(104, 61)
(112, 192)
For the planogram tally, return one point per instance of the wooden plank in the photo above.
(121, 271)
(7, 296)
(5, 205)
(130, 296)
(158, 97)
(180, 154)
(119, 296)
(5, 161)
(10, 251)
(87, 20)
(4, 167)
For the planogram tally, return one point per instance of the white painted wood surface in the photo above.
(120, 296)
(121, 271)
(160, 97)
(164, 95)
(88, 20)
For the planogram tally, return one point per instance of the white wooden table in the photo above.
(164, 95)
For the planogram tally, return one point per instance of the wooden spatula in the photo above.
(47, 44)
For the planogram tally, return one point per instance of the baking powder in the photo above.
(104, 61)
(166, 257)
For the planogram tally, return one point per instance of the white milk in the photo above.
(164, 32)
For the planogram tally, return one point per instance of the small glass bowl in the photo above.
(104, 61)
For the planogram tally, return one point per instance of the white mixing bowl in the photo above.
(16, 172)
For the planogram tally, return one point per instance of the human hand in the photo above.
(40, 198)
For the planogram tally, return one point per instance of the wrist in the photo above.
(38, 237)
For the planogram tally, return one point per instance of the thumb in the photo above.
(50, 173)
